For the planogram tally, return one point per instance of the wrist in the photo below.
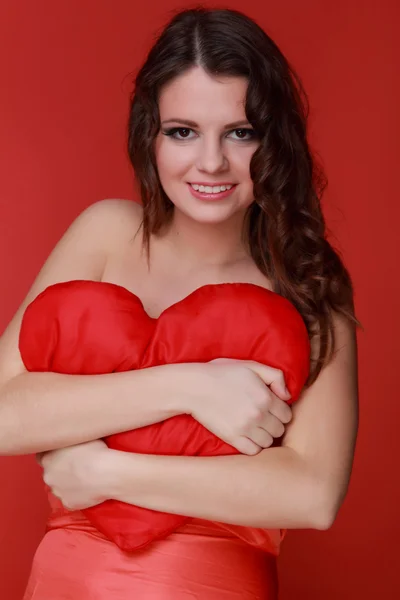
(176, 385)
(124, 475)
(107, 473)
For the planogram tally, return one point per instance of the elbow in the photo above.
(324, 515)
(325, 520)
(315, 509)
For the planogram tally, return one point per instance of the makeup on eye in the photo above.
(172, 131)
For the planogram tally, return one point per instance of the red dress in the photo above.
(119, 551)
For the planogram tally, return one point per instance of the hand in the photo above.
(242, 402)
(74, 474)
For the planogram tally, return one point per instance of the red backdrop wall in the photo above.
(63, 106)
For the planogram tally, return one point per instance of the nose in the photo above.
(211, 157)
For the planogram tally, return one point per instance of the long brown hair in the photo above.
(285, 226)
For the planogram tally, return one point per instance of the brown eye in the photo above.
(184, 132)
(178, 133)
(244, 134)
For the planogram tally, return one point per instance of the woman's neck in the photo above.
(204, 244)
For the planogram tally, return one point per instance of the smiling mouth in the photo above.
(211, 189)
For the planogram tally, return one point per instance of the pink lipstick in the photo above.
(208, 196)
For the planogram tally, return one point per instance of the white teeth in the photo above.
(208, 189)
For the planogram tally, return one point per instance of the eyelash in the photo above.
(173, 130)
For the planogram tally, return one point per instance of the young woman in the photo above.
(230, 193)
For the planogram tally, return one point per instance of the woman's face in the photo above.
(205, 140)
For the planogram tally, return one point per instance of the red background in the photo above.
(64, 70)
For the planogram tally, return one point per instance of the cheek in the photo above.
(239, 162)
(171, 161)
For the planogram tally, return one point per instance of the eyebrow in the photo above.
(195, 125)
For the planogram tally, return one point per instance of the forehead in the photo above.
(201, 97)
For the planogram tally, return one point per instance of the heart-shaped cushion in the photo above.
(89, 327)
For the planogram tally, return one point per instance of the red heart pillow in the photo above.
(89, 327)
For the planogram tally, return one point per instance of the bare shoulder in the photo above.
(81, 253)
(121, 219)
(123, 213)
(111, 220)
(83, 250)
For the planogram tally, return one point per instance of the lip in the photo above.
(212, 197)
(209, 183)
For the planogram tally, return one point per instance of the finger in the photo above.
(39, 457)
(245, 445)
(45, 459)
(272, 425)
(221, 360)
(46, 479)
(280, 409)
(261, 437)
(274, 378)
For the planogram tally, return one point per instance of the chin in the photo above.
(211, 215)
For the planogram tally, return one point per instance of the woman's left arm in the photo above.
(298, 485)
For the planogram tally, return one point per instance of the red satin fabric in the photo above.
(199, 561)
(87, 327)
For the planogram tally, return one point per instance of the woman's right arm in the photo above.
(44, 411)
